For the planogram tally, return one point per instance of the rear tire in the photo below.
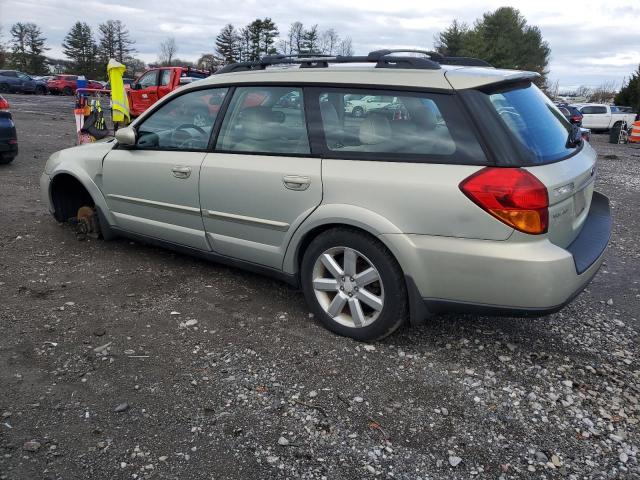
(365, 298)
(5, 160)
(40, 90)
(67, 91)
(358, 112)
(4, 88)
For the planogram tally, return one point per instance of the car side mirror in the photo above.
(137, 86)
(126, 136)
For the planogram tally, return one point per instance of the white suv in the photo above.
(478, 197)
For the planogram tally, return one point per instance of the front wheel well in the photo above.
(67, 196)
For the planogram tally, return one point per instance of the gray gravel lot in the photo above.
(124, 361)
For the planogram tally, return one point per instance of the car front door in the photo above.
(261, 181)
(28, 84)
(144, 92)
(152, 187)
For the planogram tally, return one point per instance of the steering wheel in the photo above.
(189, 140)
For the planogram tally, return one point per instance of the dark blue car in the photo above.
(15, 81)
(8, 137)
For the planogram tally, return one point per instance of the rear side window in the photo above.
(593, 110)
(165, 78)
(536, 124)
(265, 120)
(396, 126)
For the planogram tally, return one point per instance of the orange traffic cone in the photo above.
(635, 133)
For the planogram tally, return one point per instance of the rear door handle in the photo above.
(181, 172)
(296, 182)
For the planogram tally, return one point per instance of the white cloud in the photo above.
(591, 41)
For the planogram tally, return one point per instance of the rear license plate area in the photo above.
(579, 202)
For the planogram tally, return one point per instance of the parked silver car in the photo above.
(479, 197)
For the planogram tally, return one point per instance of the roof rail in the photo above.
(435, 56)
(382, 59)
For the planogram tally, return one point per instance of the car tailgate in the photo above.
(570, 184)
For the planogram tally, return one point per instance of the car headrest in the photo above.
(258, 123)
(375, 129)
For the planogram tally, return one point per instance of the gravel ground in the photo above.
(124, 361)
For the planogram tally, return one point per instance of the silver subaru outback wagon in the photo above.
(390, 186)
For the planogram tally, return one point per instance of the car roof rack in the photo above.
(382, 59)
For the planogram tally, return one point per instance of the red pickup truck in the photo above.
(156, 83)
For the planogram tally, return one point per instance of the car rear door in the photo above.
(261, 181)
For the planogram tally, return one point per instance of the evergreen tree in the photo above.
(502, 38)
(269, 33)
(629, 94)
(27, 48)
(227, 44)
(450, 42)
(3, 53)
(36, 46)
(19, 49)
(311, 41)
(80, 47)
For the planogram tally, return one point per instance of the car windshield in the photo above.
(535, 122)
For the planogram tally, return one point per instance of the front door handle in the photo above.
(181, 172)
(296, 182)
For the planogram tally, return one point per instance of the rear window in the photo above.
(534, 121)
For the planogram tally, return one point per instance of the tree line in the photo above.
(86, 55)
(262, 37)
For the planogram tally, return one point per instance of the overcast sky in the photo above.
(591, 41)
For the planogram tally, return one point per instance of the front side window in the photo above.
(184, 123)
(405, 125)
(148, 79)
(22, 76)
(265, 120)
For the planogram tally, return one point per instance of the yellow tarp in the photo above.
(119, 100)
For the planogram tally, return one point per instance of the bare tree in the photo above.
(329, 40)
(168, 50)
(296, 37)
(345, 47)
(604, 93)
(583, 92)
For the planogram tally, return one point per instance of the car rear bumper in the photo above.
(8, 149)
(515, 278)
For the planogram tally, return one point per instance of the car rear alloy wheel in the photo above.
(348, 287)
(354, 285)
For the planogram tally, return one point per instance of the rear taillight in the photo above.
(4, 105)
(512, 195)
(576, 118)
